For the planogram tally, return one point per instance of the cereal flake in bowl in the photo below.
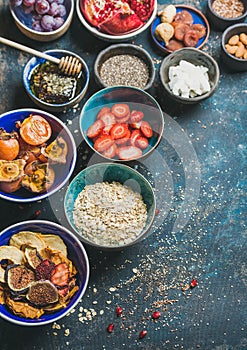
(110, 206)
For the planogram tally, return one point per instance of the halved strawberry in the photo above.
(95, 129)
(136, 116)
(60, 275)
(110, 152)
(103, 142)
(120, 110)
(146, 129)
(129, 152)
(124, 139)
(119, 131)
(141, 142)
(133, 137)
(103, 111)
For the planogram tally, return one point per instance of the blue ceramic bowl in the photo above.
(23, 17)
(36, 61)
(137, 99)
(198, 18)
(63, 171)
(76, 253)
(109, 172)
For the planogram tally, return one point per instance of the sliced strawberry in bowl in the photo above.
(129, 152)
(142, 142)
(146, 129)
(95, 129)
(103, 142)
(120, 110)
(136, 116)
(103, 111)
(110, 152)
(124, 139)
(119, 131)
(134, 135)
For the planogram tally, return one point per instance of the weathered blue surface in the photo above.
(199, 173)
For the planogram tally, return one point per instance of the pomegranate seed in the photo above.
(119, 311)
(110, 328)
(155, 315)
(157, 211)
(37, 212)
(142, 334)
(193, 283)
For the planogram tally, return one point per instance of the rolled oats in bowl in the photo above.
(110, 213)
(110, 206)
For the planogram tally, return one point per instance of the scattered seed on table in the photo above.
(127, 70)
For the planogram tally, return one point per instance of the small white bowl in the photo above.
(24, 22)
(114, 38)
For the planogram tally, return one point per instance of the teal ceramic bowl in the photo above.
(109, 172)
(136, 99)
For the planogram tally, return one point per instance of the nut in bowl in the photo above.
(189, 75)
(178, 26)
(43, 80)
(234, 47)
(116, 20)
(37, 155)
(42, 20)
(110, 206)
(45, 274)
(122, 123)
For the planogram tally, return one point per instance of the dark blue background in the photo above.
(211, 247)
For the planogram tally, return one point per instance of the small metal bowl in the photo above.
(24, 18)
(124, 49)
(197, 58)
(110, 172)
(34, 62)
(232, 62)
(222, 23)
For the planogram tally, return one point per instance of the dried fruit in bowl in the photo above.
(117, 17)
(36, 279)
(9, 145)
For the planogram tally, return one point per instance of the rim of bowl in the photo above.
(79, 243)
(198, 12)
(26, 74)
(122, 46)
(121, 87)
(141, 235)
(73, 161)
(105, 36)
(45, 34)
(223, 42)
(210, 2)
(197, 98)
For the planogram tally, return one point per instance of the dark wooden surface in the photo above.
(199, 175)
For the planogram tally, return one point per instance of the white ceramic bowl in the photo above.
(114, 38)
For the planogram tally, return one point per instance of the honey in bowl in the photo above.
(52, 86)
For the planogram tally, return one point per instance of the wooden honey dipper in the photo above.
(69, 65)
